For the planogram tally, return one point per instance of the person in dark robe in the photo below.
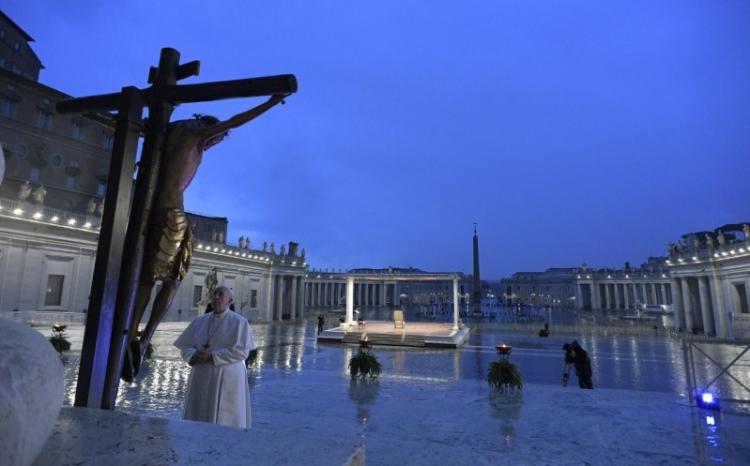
(321, 323)
(582, 363)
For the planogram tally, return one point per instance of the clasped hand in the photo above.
(200, 356)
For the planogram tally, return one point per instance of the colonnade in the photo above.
(621, 294)
(332, 293)
(285, 297)
(698, 305)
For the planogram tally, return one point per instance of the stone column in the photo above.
(709, 326)
(396, 295)
(679, 311)
(625, 291)
(687, 305)
(595, 301)
(578, 295)
(383, 288)
(268, 298)
(301, 298)
(617, 296)
(349, 300)
(455, 304)
(293, 299)
(279, 297)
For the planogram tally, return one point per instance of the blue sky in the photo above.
(569, 131)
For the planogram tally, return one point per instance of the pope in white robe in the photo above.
(216, 346)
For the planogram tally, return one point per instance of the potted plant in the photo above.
(504, 376)
(58, 339)
(363, 364)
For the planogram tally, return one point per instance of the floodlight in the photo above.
(707, 400)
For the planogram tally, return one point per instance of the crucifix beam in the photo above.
(186, 93)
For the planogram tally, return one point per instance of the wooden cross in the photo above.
(119, 257)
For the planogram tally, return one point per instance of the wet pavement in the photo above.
(434, 405)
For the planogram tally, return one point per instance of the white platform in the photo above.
(384, 333)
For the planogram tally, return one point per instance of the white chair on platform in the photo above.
(398, 319)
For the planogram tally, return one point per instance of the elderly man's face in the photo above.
(222, 298)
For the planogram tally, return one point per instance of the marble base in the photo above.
(94, 436)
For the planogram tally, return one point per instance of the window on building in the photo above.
(77, 129)
(34, 174)
(71, 182)
(7, 106)
(57, 160)
(107, 141)
(68, 204)
(43, 118)
(53, 293)
(742, 297)
(197, 294)
(101, 189)
(253, 299)
(16, 46)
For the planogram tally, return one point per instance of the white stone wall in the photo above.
(31, 251)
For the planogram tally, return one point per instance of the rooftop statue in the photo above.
(39, 194)
(720, 237)
(746, 231)
(282, 250)
(91, 206)
(709, 240)
(169, 239)
(24, 191)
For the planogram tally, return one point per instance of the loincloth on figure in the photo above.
(169, 246)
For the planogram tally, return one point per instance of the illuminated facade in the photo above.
(47, 261)
(710, 274)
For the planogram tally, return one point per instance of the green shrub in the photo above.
(504, 376)
(364, 365)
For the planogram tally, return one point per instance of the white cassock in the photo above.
(218, 391)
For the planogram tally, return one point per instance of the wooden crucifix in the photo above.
(149, 240)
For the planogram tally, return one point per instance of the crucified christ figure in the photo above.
(169, 237)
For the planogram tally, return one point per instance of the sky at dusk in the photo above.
(576, 131)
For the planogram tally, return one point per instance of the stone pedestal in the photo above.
(31, 392)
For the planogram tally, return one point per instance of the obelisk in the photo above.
(476, 289)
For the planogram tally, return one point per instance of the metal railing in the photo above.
(693, 388)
